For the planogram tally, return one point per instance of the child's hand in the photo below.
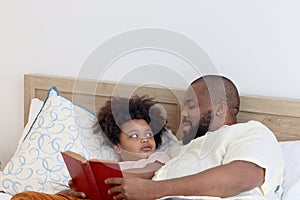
(73, 192)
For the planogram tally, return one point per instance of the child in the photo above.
(134, 126)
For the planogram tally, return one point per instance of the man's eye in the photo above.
(192, 107)
(134, 135)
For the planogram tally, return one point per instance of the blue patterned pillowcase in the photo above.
(60, 125)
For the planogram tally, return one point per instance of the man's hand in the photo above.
(130, 188)
(72, 191)
(222, 181)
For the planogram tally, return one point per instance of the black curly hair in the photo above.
(118, 110)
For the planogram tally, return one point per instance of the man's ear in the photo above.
(117, 148)
(221, 108)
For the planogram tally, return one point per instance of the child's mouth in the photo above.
(147, 148)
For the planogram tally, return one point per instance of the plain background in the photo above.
(255, 43)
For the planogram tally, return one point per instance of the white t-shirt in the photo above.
(251, 141)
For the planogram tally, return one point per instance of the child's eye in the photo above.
(134, 135)
(149, 134)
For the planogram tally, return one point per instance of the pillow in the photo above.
(35, 106)
(37, 163)
(291, 183)
(34, 109)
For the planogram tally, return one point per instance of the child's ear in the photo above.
(117, 148)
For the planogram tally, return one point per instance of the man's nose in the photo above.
(184, 113)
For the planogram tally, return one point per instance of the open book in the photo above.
(88, 175)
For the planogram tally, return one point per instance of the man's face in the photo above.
(197, 113)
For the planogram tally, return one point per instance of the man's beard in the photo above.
(199, 129)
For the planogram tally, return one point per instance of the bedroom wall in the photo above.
(255, 43)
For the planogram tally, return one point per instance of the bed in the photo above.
(72, 103)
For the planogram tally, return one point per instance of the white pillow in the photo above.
(291, 183)
(37, 163)
(34, 109)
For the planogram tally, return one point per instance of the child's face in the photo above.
(136, 137)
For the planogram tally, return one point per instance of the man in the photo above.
(242, 161)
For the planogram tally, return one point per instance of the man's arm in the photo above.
(222, 181)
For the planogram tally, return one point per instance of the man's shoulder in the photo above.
(253, 128)
(252, 124)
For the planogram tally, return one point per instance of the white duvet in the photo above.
(4, 196)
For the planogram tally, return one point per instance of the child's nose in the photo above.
(144, 140)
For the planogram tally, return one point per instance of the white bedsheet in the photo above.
(4, 196)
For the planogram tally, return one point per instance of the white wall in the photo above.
(255, 43)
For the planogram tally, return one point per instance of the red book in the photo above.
(88, 175)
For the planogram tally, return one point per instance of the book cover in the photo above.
(88, 175)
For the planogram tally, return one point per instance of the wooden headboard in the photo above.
(92, 94)
(282, 116)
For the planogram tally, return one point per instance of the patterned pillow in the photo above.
(60, 125)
